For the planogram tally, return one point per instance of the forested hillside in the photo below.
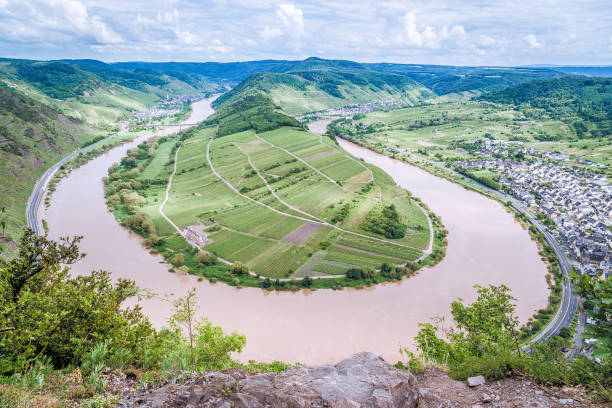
(32, 137)
(253, 111)
(95, 92)
(442, 79)
(49, 109)
(583, 103)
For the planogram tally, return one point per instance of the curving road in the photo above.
(569, 300)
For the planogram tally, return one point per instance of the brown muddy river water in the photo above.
(485, 246)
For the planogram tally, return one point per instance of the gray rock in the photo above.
(363, 380)
(486, 398)
(476, 381)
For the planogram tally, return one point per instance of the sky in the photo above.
(486, 32)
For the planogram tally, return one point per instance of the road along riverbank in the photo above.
(485, 246)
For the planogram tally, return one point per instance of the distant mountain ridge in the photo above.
(592, 70)
(74, 78)
(442, 79)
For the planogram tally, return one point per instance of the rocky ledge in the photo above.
(363, 380)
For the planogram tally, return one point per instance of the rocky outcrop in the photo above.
(363, 380)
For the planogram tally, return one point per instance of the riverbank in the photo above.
(562, 303)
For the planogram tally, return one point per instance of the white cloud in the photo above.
(485, 41)
(45, 20)
(169, 17)
(429, 37)
(270, 32)
(292, 18)
(289, 22)
(532, 41)
(185, 37)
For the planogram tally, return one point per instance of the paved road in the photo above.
(40, 187)
(569, 300)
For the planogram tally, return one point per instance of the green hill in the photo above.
(48, 109)
(94, 91)
(583, 103)
(319, 85)
(254, 111)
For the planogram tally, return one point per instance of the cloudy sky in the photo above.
(485, 32)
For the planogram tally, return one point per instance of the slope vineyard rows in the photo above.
(270, 201)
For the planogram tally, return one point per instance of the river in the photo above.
(485, 246)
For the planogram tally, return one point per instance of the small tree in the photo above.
(47, 313)
(205, 259)
(487, 327)
(3, 219)
(178, 259)
(183, 318)
(238, 268)
(307, 281)
(597, 292)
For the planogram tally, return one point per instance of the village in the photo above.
(574, 202)
(357, 109)
(166, 107)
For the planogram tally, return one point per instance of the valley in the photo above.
(305, 204)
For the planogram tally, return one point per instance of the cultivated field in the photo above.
(430, 130)
(286, 202)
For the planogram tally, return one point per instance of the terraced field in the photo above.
(287, 203)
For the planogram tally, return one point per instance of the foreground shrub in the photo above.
(46, 312)
(484, 341)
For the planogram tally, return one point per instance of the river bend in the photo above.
(485, 246)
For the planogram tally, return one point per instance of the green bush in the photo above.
(204, 258)
(483, 340)
(49, 313)
(239, 269)
(385, 221)
(178, 260)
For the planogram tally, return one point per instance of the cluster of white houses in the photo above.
(166, 107)
(366, 107)
(578, 201)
